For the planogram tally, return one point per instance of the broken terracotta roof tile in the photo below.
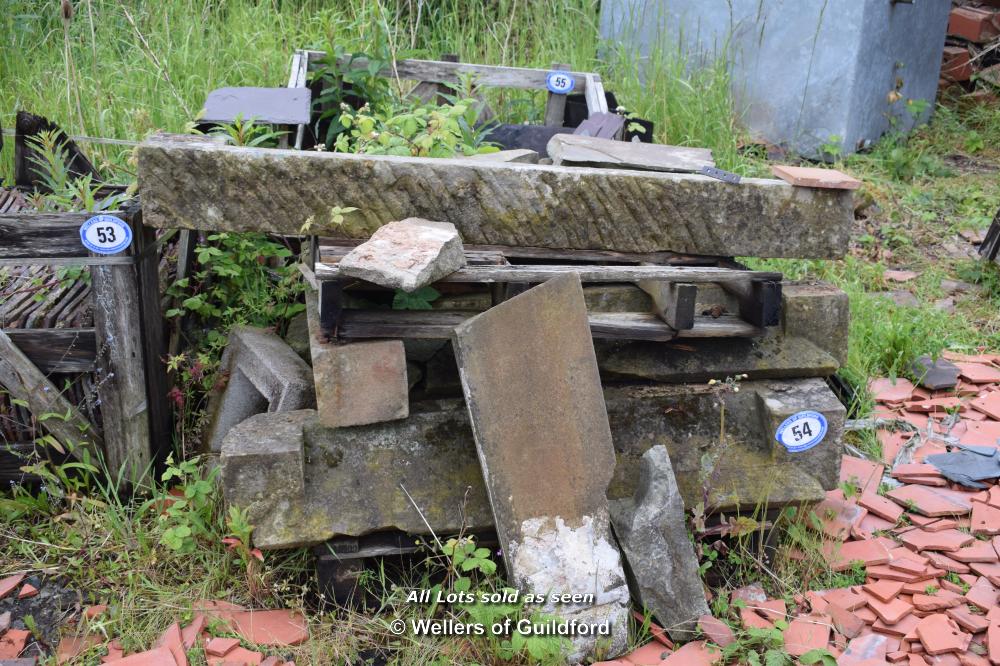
(890, 612)
(864, 474)
(71, 647)
(845, 621)
(9, 584)
(867, 526)
(929, 501)
(907, 565)
(939, 634)
(987, 403)
(190, 633)
(935, 406)
(751, 620)
(695, 653)
(939, 601)
(942, 561)
(941, 525)
(27, 591)
(219, 647)
(881, 507)
(989, 569)
(963, 617)
(650, 654)
(977, 551)
(751, 593)
(914, 469)
(883, 590)
(888, 573)
(887, 390)
(899, 629)
(845, 597)
(272, 627)
(716, 630)
(866, 648)
(978, 373)
(837, 514)
(842, 556)
(985, 519)
(982, 594)
(806, 633)
(13, 642)
(238, 655)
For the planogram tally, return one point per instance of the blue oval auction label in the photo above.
(560, 83)
(802, 431)
(105, 234)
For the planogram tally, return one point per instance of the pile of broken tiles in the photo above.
(930, 547)
(269, 628)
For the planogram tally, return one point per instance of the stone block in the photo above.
(818, 312)
(652, 530)
(406, 255)
(264, 375)
(534, 396)
(352, 475)
(357, 383)
(522, 155)
(490, 203)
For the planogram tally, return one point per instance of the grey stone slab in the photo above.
(357, 383)
(540, 424)
(576, 150)
(184, 183)
(352, 474)
(935, 374)
(277, 106)
(662, 566)
(408, 254)
(801, 75)
(264, 375)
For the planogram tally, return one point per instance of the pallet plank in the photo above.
(57, 349)
(42, 235)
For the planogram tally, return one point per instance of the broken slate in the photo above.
(541, 429)
(662, 566)
(577, 150)
(934, 375)
(407, 255)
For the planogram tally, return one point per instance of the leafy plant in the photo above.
(759, 647)
(248, 133)
(186, 509)
(344, 80)
(419, 299)
(65, 191)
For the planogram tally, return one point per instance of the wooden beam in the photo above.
(24, 381)
(57, 349)
(555, 104)
(759, 300)
(438, 324)
(588, 273)
(43, 236)
(674, 302)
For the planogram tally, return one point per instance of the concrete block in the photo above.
(265, 375)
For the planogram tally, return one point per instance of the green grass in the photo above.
(125, 68)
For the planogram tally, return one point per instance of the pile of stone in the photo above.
(566, 354)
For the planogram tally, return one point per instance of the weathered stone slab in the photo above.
(406, 255)
(189, 183)
(577, 150)
(651, 529)
(264, 375)
(352, 475)
(534, 396)
(357, 383)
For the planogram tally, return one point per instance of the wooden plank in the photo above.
(593, 91)
(436, 71)
(759, 300)
(588, 273)
(674, 302)
(555, 105)
(151, 327)
(990, 246)
(577, 150)
(331, 249)
(57, 349)
(120, 360)
(43, 235)
(24, 381)
(438, 324)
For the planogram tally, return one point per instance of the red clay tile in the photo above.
(751, 620)
(982, 594)
(695, 653)
(844, 621)
(919, 587)
(939, 634)
(883, 590)
(27, 591)
(806, 633)
(865, 475)
(993, 642)
(655, 630)
(935, 406)
(867, 526)
(173, 641)
(977, 373)
(881, 507)
(942, 561)
(891, 443)
(274, 627)
(115, 652)
(837, 514)
(866, 615)
(271, 661)
(219, 647)
(751, 593)
(716, 630)
(946, 540)
(238, 656)
(907, 565)
(885, 390)
(71, 647)
(987, 403)
(899, 275)
(650, 654)
(845, 597)
(888, 573)
(967, 620)
(9, 584)
(989, 569)
(190, 633)
(815, 177)
(90, 612)
(870, 648)
(946, 584)
(842, 556)
(933, 481)
(941, 524)
(890, 612)
(993, 496)
(977, 551)
(12, 643)
(939, 601)
(929, 501)
(914, 469)
(898, 630)
(985, 519)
